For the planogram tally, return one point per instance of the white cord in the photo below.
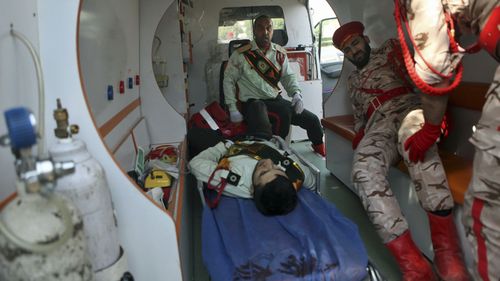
(41, 88)
(44, 248)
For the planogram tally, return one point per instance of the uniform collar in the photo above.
(255, 47)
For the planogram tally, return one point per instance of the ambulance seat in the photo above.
(280, 37)
(233, 45)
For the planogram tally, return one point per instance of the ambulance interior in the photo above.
(132, 73)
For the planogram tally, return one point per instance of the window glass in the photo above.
(236, 23)
(329, 53)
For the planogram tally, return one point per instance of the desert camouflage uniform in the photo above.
(382, 146)
(482, 200)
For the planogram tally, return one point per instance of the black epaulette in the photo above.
(281, 49)
(244, 48)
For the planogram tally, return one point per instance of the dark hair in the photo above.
(277, 197)
(260, 17)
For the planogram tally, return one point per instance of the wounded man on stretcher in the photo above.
(260, 224)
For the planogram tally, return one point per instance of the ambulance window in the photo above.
(323, 32)
(236, 23)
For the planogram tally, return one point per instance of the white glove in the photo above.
(235, 116)
(228, 143)
(297, 103)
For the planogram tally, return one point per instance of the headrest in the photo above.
(346, 31)
(280, 37)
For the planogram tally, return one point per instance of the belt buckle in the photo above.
(376, 104)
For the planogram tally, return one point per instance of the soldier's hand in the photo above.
(418, 144)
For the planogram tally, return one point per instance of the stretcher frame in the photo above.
(373, 273)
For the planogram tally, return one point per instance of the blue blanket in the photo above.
(313, 242)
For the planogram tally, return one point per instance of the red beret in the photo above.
(346, 31)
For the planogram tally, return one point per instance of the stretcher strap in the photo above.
(210, 121)
(219, 188)
(410, 64)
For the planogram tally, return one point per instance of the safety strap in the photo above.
(210, 121)
(264, 67)
(230, 178)
(219, 188)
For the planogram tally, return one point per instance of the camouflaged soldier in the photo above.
(386, 114)
(482, 200)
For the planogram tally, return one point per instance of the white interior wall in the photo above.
(109, 52)
(207, 54)
(164, 123)
(146, 232)
(114, 139)
(168, 32)
(18, 82)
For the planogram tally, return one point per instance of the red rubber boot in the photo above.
(412, 263)
(320, 149)
(448, 259)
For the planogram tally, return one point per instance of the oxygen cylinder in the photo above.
(88, 190)
(41, 235)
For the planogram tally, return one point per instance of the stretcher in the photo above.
(313, 242)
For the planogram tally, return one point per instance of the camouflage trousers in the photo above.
(482, 200)
(383, 146)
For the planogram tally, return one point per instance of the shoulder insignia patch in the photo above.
(244, 48)
(281, 49)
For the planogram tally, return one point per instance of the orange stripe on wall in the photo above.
(125, 137)
(107, 127)
(180, 189)
(7, 200)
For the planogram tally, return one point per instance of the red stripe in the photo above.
(482, 258)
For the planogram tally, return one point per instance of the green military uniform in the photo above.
(251, 85)
(260, 94)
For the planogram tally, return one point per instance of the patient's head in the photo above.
(274, 193)
(349, 39)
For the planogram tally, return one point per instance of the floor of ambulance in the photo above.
(344, 199)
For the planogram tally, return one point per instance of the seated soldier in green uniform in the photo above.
(256, 69)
